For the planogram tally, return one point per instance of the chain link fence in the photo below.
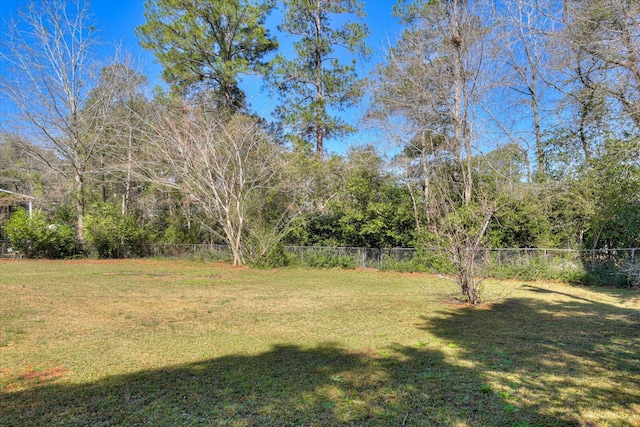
(175, 251)
(601, 265)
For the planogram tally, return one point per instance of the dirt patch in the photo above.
(452, 302)
(134, 273)
(457, 303)
(44, 376)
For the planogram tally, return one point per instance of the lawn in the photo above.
(166, 342)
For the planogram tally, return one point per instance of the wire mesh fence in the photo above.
(174, 251)
(6, 251)
(520, 263)
(590, 259)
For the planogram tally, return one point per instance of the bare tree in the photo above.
(19, 172)
(409, 105)
(231, 170)
(608, 31)
(120, 89)
(431, 89)
(523, 53)
(51, 70)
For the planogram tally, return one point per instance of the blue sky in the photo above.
(117, 20)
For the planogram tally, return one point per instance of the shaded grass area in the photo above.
(182, 343)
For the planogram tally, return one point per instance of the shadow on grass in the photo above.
(287, 385)
(562, 356)
(522, 362)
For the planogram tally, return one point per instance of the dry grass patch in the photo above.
(159, 342)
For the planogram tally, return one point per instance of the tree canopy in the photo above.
(206, 46)
(484, 124)
(316, 80)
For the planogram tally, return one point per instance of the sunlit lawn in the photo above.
(163, 342)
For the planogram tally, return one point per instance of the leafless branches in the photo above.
(231, 169)
(51, 73)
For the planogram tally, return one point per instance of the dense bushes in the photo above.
(314, 258)
(35, 237)
(534, 267)
(109, 234)
(424, 260)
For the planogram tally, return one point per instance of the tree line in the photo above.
(510, 123)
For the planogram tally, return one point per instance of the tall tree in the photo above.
(51, 71)
(609, 31)
(315, 80)
(445, 42)
(523, 53)
(126, 105)
(432, 86)
(204, 44)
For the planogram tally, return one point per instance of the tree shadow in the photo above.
(288, 385)
(555, 354)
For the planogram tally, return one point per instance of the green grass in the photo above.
(164, 342)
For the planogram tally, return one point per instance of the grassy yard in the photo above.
(155, 342)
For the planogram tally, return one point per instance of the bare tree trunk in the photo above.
(522, 48)
(466, 277)
(460, 104)
(427, 187)
(80, 206)
(464, 247)
(127, 184)
(319, 83)
(50, 79)
(535, 108)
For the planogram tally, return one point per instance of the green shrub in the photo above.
(539, 268)
(435, 261)
(326, 259)
(425, 260)
(36, 238)
(605, 277)
(211, 256)
(521, 268)
(274, 258)
(390, 263)
(108, 234)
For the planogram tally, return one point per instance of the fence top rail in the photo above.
(357, 248)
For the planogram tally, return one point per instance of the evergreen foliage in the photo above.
(514, 124)
(36, 237)
(316, 81)
(207, 45)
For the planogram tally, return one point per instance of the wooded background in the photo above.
(499, 124)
